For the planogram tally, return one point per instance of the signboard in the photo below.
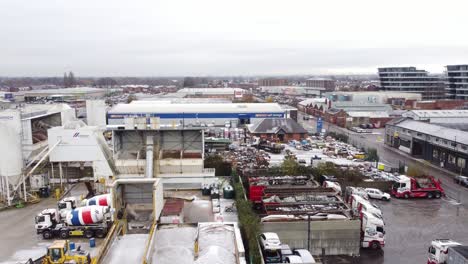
(265, 115)
(238, 94)
(319, 124)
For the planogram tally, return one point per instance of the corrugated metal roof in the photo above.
(434, 130)
(76, 90)
(368, 114)
(437, 113)
(197, 108)
(313, 101)
(211, 90)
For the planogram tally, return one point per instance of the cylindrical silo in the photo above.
(11, 163)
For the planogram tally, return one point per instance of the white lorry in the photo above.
(372, 224)
(447, 251)
(359, 204)
(372, 231)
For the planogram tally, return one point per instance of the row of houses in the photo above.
(353, 109)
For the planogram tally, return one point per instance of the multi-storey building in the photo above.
(410, 79)
(456, 84)
(327, 84)
(272, 82)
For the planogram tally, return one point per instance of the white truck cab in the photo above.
(334, 185)
(373, 233)
(403, 184)
(438, 251)
(47, 218)
(66, 204)
(359, 204)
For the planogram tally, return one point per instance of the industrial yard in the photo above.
(155, 187)
(247, 132)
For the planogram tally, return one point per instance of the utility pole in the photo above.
(308, 232)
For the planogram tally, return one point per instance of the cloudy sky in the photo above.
(218, 37)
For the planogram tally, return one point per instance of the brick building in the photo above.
(435, 104)
(335, 116)
(278, 129)
(272, 82)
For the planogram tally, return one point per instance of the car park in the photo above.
(377, 194)
(270, 241)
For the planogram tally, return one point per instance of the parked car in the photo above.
(377, 194)
(270, 241)
(272, 256)
(293, 259)
(462, 180)
(305, 255)
(285, 251)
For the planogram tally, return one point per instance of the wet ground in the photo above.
(18, 238)
(410, 227)
(411, 224)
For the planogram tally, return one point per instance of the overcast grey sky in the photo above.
(237, 37)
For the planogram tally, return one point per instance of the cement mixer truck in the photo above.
(101, 200)
(88, 221)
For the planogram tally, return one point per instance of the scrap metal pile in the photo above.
(248, 158)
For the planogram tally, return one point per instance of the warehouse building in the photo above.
(381, 97)
(438, 143)
(226, 93)
(196, 114)
(438, 116)
(63, 94)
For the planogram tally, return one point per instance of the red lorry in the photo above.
(417, 187)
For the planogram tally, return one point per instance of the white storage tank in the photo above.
(11, 165)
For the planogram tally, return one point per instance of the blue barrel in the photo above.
(92, 242)
(72, 245)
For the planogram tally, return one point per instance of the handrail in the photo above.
(114, 231)
(147, 258)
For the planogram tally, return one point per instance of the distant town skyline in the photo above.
(218, 38)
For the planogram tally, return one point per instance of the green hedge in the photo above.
(249, 223)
